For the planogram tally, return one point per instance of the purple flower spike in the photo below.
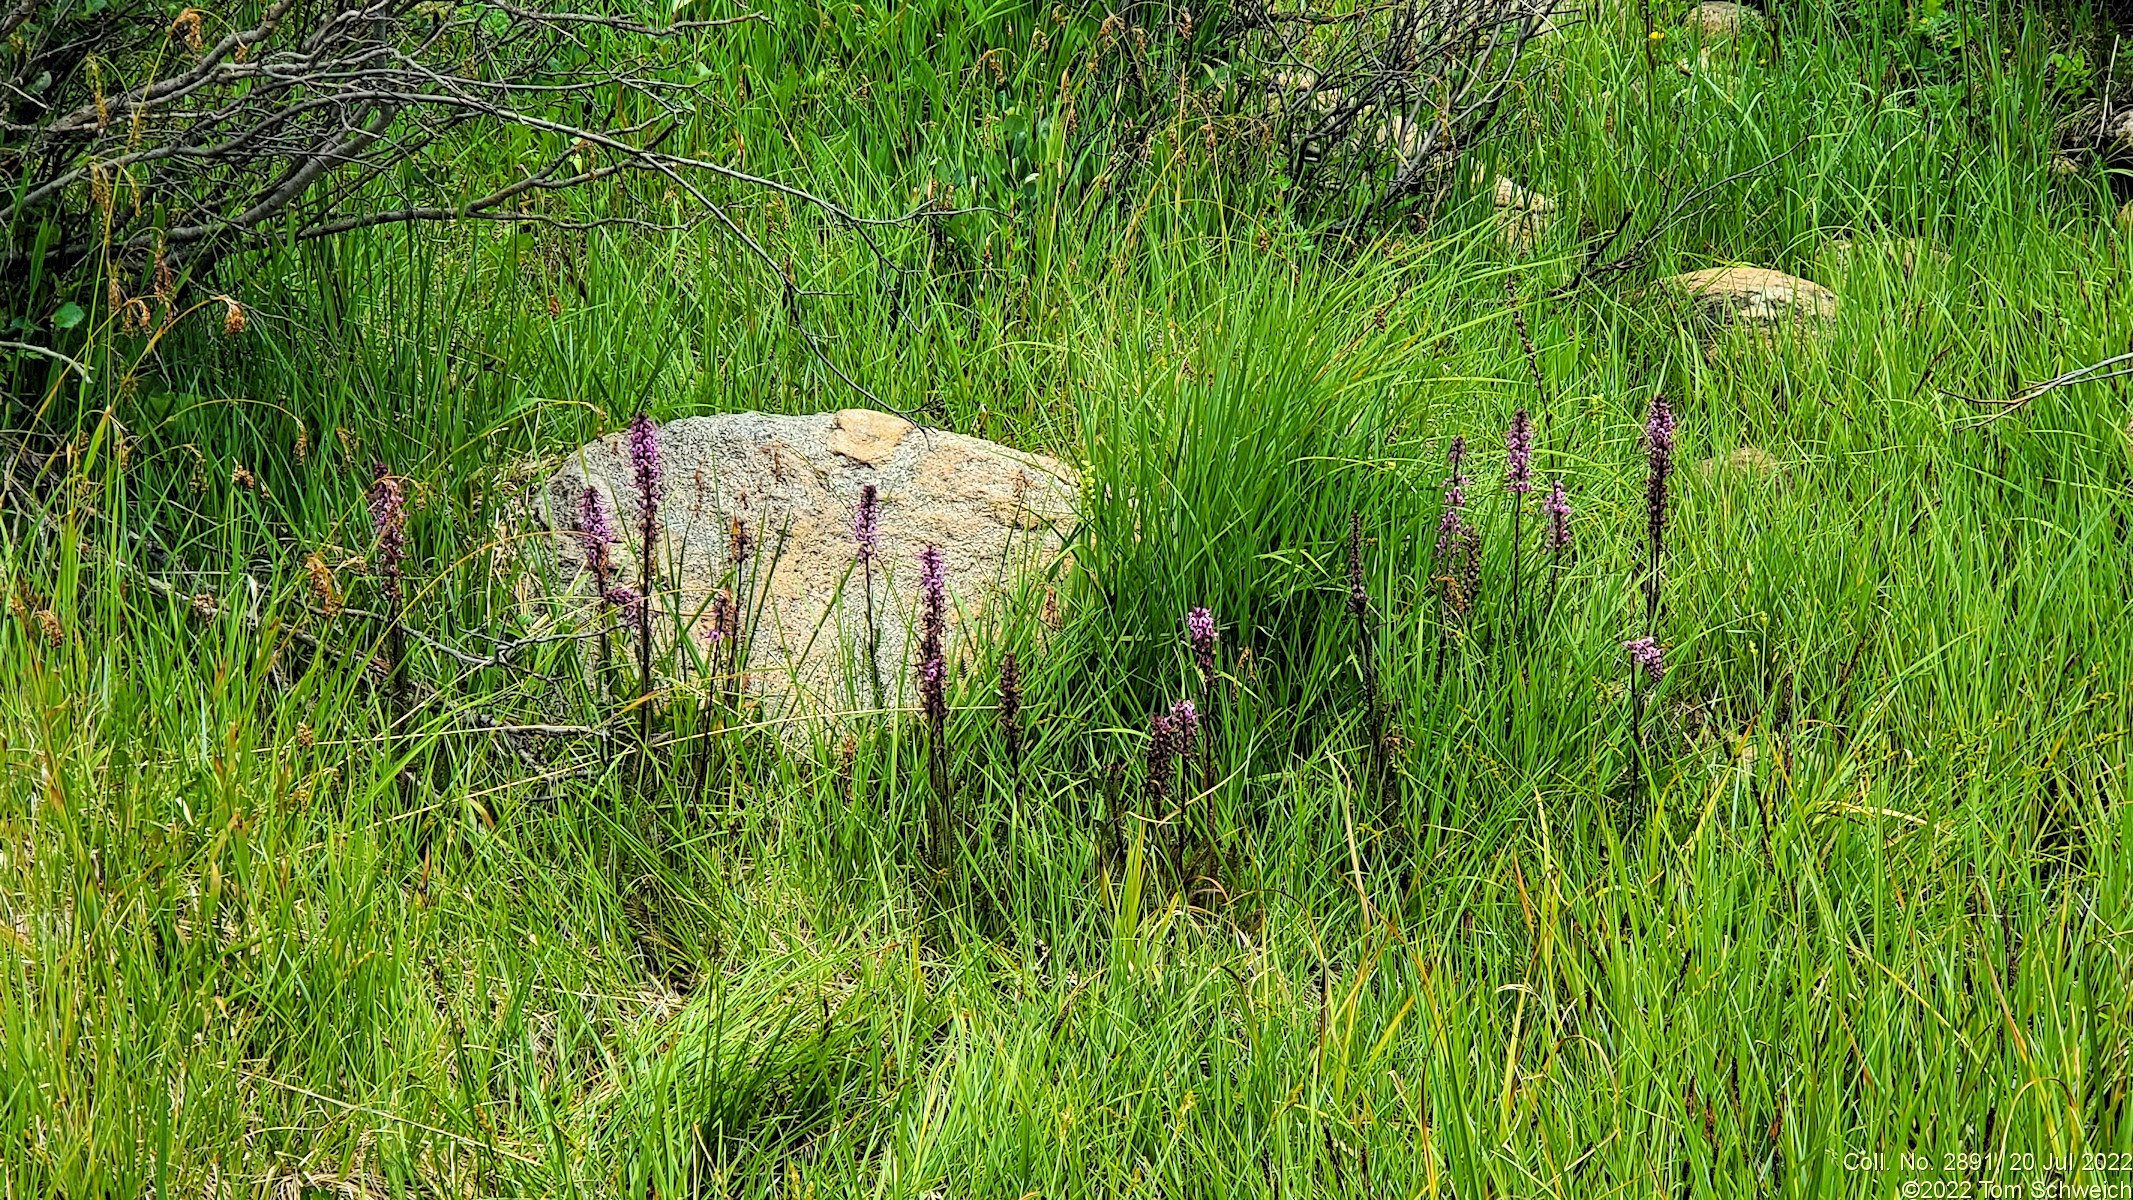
(644, 471)
(1557, 506)
(933, 597)
(722, 619)
(388, 516)
(1184, 727)
(599, 535)
(1659, 445)
(1646, 653)
(740, 543)
(932, 623)
(933, 691)
(1450, 529)
(627, 601)
(1358, 593)
(1200, 631)
(1518, 475)
(1659, 430)
(1011, 705)
(863, 525)
(1162, 755)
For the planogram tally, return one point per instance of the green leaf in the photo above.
(68, 316)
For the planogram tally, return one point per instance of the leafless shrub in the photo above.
(1373, 104)
(148, 139)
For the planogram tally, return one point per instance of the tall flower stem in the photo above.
(388, 515)
(873, 638)
(1557, 508)
(1518, 549)
(1452, 541)
(932, 689)
(1201, 636)
(1518, 480)
(1659, 451)
(865, 534)
(644, 469)
(1187, 744)
(717, 698)
(1367, 663)
(1646, 659)
(1010, 710)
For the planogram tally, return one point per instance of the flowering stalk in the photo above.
(1557, 508)
(721, 639)
(1458, 542)
(1454, 518)
(740, 552)
(1162, 764)
(644, 472)
(1518, 480)
(1646, 660)
(599, 537)
(388, 517)
(1185, 743)
(1366, 660)
(1011, 716)
(864, 535)
(933, 683)
(1659, 452)
(1200, 633)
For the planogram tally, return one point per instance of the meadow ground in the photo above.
(1865, 892)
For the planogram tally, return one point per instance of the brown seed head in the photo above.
(321, 580)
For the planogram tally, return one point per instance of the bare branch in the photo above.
(298, 126)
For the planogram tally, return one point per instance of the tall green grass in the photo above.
(1866, 891)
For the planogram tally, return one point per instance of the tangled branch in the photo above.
(1373, 105)
(144, 146)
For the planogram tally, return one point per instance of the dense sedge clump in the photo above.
(864, 523)
(1518, 442)
(1557, 506)
(1200, 632)
(1646, 655)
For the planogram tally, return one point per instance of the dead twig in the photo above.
(2095, 372)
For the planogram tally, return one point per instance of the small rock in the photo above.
(1756, 294)
(1521, 215)
(1000, 517)
(1841, 255)
(1752, 461)
(1722, 19)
